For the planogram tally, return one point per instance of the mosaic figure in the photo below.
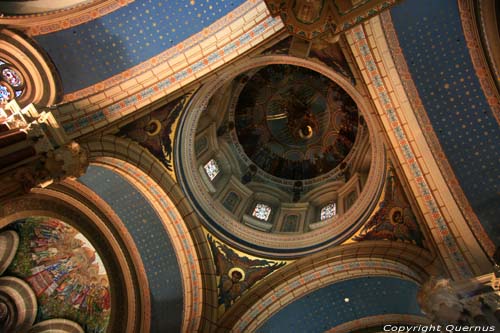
(394, 220)
(237, 273)
(155, 131)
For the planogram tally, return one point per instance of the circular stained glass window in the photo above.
(12, 77)
(11, 82)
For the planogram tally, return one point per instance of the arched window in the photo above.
(212, 169)
(328, 211)
(11, 82)
(262, 211)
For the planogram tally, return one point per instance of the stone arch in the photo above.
(150, 177)
(370, 258)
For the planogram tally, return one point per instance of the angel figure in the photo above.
(237, 273)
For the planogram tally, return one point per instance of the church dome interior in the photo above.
(249, 166)
(289, 158)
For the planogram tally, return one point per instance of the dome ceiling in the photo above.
(294, 123)
(278, 160)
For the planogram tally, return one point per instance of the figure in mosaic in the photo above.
(237, 273)
(394, 220)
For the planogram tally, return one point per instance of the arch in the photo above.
(122, 262)
(249, 239)
(370, 258)
(150, 177)
(42, 84)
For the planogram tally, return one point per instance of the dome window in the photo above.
(328, 211)
(262, 212)
(212, 169)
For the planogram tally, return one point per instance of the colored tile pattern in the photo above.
(327, 307)
(153, 244)
(454, 100)
(91, 52)
(445, 234)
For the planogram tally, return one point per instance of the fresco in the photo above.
(237, 273)
(294, 123)
(394, 220)
(65, 272)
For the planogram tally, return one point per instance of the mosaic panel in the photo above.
(64, 271)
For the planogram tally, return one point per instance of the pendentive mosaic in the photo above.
(236, 272)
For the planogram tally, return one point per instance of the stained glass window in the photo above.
(11, 82)
(212, 169)
(5, 94)
(328, 211)
(12, 77)
(262, 211)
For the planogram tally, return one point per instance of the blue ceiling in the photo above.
(94, 51)
(152, 242)
(431, 37)
(326, 308)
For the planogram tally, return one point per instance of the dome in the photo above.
(282, 154)
(294, 123)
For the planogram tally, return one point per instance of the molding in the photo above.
(143, 170)
(122, 264)
(439, 209)
(41, 80)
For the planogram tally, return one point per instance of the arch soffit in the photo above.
(200, 102)
(124, 268)
(148, 175)
(370, 258)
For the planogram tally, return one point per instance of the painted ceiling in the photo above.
(64, 271)
(432, 40)
(295, 123)
(153, 244)
(345, 301)
(94, 51)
